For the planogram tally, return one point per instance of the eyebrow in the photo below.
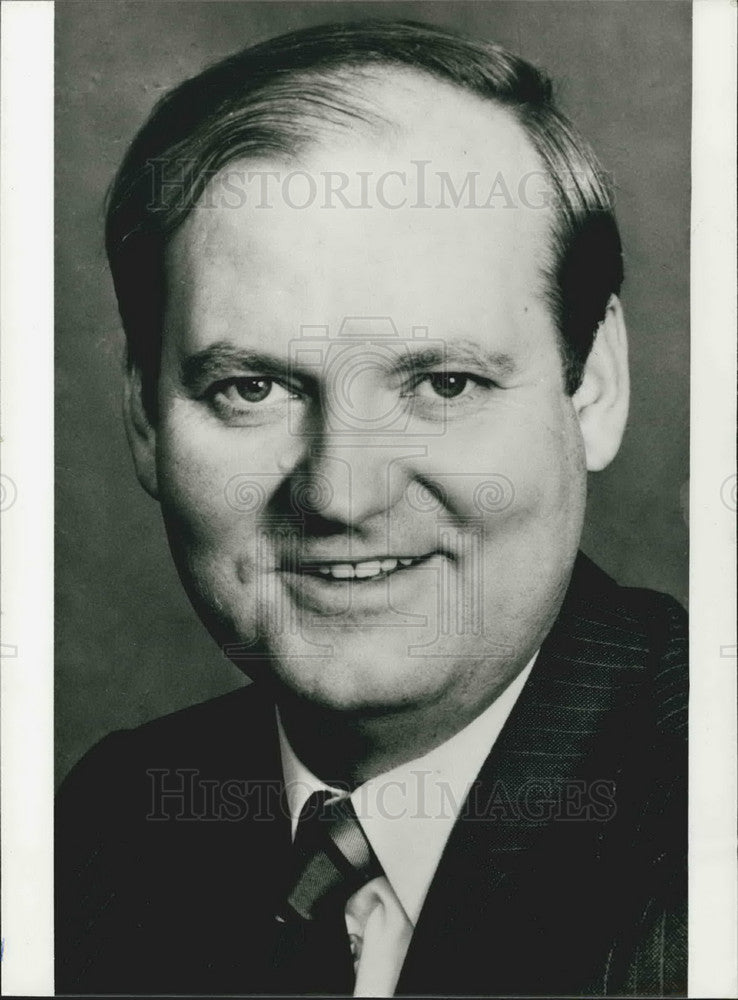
(222, 359)
(219, 360)
(459, 352)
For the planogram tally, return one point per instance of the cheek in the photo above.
(522, 465)
(543, 525)
(193, 494)
(211, 491)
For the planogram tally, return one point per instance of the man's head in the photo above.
(313, 385)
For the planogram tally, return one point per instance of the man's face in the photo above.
(424, 420)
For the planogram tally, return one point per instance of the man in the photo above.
(369, 278)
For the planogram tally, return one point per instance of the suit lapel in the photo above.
(497, 906)
(253, 861)
(216, 878)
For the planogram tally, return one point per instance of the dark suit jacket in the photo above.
(564, 875)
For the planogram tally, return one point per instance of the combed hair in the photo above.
(275, 98)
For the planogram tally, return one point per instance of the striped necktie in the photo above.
(332, 859)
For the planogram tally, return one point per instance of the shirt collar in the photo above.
(408, 813)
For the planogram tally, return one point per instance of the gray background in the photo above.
(129, 647)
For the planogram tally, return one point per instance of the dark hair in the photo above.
(272, 99)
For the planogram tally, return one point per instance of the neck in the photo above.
(346, 749)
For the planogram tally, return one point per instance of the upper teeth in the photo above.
(362, 570)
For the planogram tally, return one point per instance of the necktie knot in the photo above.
(332, 857)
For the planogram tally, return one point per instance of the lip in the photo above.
(393, 593)
(320, 566)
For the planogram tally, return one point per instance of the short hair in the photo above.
(271, 99)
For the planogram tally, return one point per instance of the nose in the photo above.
(349, 480)
(356, 456)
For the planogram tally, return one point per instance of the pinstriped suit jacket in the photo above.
(564, 875)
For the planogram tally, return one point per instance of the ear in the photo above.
(601, 401)
(140, 433)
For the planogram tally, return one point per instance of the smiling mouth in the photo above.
(367, 569)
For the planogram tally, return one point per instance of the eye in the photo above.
(447, 385)
(252, 389)
(446, 395)
(250, 399)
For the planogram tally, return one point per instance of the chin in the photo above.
(355, 683)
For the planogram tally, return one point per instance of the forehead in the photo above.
(431, 220)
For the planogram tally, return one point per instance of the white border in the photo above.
(27, 371)
(713, 913)
(26, 367)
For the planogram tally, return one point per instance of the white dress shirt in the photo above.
(407, 815)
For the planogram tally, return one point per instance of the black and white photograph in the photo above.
(373, 522)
